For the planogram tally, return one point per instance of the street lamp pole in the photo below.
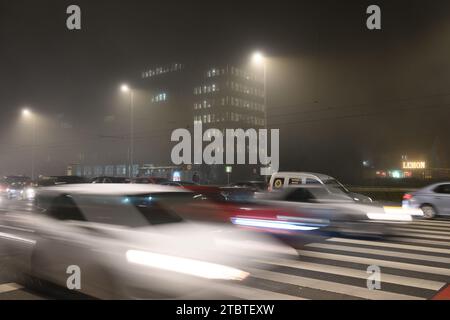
(125, 88)
(28, 114)
(131, 132)
(259, 59)
(33, 147)
(265, 91)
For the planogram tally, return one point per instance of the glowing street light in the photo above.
(258, 58)
(26, 113)
(124, 88)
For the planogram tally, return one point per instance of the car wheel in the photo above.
(428, 211)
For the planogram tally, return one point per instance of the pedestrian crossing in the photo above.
(414, 264)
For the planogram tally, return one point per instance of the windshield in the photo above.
(132, 211)
(330, 193)
(335, 185)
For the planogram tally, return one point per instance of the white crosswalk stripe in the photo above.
(355, 291)
(422, 235)
(355, 273)
(432, 222)
(249, 293)
(426, 227)
(421, 241)
(390, 245)
(378, 262)
(8, 287)
(369, 252)
(386, 253)
(422, 231)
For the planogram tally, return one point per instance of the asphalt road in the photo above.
(415, 264)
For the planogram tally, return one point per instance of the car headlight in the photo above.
(390, 214)
(185, 266)
(30, 193)
(273, 224)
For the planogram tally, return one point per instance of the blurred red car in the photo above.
(225, 205)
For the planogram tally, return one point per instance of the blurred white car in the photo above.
(343, 213)
(20, 191)
(127, 241)
(280, 180)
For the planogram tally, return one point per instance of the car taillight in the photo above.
(407, 196)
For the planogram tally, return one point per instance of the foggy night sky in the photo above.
(338, 92)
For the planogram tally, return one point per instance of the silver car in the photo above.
(433, 200)
(291, 179)
(345, 216)
(126, 241)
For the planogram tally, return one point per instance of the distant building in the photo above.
(178, 96)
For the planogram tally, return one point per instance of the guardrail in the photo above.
(382, 193)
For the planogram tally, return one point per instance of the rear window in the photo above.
(295, 181)
(443, 188)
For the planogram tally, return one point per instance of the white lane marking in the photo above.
(386, 253)
(379, 262)
(390, 245)
(8, 287)
(16, 228)
(354, 291)
(250, 293)
(9, 236)
(355, 273)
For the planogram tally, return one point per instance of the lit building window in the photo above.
(159, 97)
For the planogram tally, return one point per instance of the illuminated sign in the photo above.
(414, 165)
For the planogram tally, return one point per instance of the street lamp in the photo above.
(26, 112)
(29, 115)
(259, 59)
(126, 89)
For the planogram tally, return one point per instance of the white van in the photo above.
(281, 180)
